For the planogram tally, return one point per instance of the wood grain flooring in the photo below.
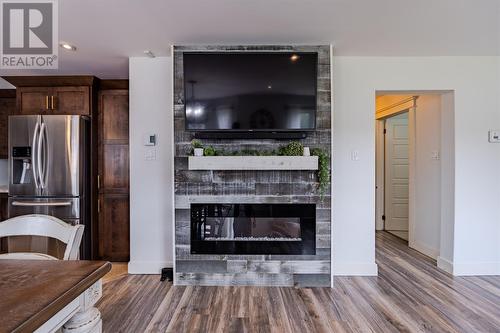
(118, 269)
(409, 295)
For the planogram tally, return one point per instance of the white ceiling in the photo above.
(107, 32)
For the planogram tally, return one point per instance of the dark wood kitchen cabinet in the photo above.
(114, 239)
(70, 100)
(54, 100)
(3, 206)
(3, 216)
(33, 100)
(7, 107)
(66, 95)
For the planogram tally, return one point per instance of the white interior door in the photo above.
(397, 175)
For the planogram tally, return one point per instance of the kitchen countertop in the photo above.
(4, 189)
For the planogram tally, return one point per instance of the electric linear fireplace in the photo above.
(253, 229)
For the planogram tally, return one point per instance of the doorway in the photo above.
(414, 167)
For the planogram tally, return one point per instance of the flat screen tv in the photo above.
(250, 92)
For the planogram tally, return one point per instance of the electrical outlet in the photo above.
(435, 155)
(150, 155)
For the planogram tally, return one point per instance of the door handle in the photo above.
(41, 172)
(34, 154)
(37, 203)
(52, 106)
(46, 102)
(46, 160)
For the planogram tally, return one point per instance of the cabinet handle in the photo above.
(52, 103)
(46, 102)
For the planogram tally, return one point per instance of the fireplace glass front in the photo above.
(253, 228)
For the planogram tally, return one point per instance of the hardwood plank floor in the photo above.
(409, 295)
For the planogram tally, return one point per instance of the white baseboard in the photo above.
(147, 267)
(424, 249)
(469, 269)
(445, 265)
(355, 269)
(480, 268)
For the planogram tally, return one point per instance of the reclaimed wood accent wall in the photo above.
(253, 186)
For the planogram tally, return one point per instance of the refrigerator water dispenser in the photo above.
(21, 165)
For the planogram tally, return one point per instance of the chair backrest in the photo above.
(46, 226)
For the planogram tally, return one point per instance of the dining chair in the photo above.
(45, 226)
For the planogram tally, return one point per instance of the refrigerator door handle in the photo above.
(37, 203)
(43, 138)
(41, 159)
(34, 155)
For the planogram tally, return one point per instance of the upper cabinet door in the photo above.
(32, 101)
(70, 100)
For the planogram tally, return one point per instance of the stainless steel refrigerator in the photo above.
(49, 173)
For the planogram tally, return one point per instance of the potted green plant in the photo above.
(210, 151)
(294, 148)
(197, 147)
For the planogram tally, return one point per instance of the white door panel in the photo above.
(400, 173)
(401, 151)
(401, 130)
(396, 174)
(400, 211)
(400, 191)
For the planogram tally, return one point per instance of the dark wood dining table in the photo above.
(44, 295)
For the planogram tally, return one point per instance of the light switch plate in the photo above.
(149, 139)
(355, 155)
(494, 136)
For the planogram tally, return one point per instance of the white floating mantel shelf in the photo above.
(253, 163)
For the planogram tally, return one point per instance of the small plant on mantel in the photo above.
(294, 148)
(209, 151)
(196, 145)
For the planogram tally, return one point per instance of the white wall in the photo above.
(447, 233)
(151, 181)
(425, 236)
(476, 85)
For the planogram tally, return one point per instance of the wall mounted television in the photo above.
(250, 94)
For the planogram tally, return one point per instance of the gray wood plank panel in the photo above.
(251, 186)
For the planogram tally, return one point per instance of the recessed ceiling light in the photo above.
(67, 46)
(149, 53)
